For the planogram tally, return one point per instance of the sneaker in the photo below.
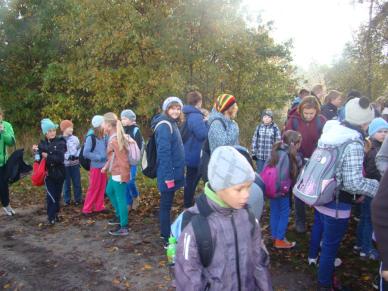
(9, 211)
(114, 221)
(376, 282)
(77, 203)
(337, 262)
(58, 218)
(66, 204)
(372, 255)
(312, 261)
(51, 222)
(284, 244)
(122, 231)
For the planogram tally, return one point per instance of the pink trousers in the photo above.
(94, 200)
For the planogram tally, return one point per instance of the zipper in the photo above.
(237, 255)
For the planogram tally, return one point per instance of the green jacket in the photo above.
(7, 138)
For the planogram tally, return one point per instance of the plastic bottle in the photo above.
(171, 250)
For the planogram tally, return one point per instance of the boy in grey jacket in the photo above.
(240, 260)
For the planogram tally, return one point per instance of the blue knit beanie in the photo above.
(376, 125)
(46, 124)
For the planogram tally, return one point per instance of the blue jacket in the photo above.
(170, 154)
(198, 134)
(98, 156)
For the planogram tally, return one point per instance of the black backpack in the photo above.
(184, 130)
(202, 230)
(149, 160)
(16, 168)
(84, 162)
(205, 153)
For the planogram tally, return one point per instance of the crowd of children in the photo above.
(224, 219)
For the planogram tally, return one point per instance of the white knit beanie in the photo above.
(169, 100)
(358, 111)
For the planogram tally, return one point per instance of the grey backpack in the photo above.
(317, 184)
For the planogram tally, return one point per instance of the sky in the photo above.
(319, 28)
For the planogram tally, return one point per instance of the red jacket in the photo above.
(310, 131)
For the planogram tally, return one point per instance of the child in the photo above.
(53, 149)
(377, 131)
(333, 101)
(118, 166)
(280, 206)
(128, 119)
(7, 139)
(94, 200)
(240, 261)
(170, 159)
(266, 134)
(72, 167)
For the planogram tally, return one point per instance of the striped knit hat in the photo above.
(224, 102)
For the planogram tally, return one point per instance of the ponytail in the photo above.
(121, 138)
(274, 159)
(293, 139)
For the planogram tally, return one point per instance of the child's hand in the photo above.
(170, 184)
(44, 155)
(384, 274)
(103, 170)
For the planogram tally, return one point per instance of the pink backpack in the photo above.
(277, 179)
(134, 153)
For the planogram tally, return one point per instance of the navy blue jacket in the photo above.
(198, 134)
(170, 154)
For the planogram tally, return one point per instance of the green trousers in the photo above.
(116, 192)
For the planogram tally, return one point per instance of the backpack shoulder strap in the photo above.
(164, 122)
(219, 119)
(252, 219)
(202, 231)
(294, 123)
(93, 137)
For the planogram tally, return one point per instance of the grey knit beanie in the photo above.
(358, 111)
(227, 168)
(128, 113)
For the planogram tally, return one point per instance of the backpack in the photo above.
(317, 184)
(205, 153)
(84, 162)
(184, 130)
(277, 179)
(135, 131)
(201, 228)
(16, 168)
(134, 153)
(149, 160)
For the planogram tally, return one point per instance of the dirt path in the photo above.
(78, 254)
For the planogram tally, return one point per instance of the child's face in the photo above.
(267, 119)
(68, 131)
(174, 111)
(337, 102)
(381, 134)
(236, 196)
(309, 114)
(107, 127)
(126, 122)
(51, 134)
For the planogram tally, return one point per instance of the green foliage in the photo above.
(76, 58)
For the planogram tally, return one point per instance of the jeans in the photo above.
(117, 195)
(131, 190)
(192, 179)
(259, 165)
(333, 233)
(364, 227)
(72, 175)
(316, 236)
(4, 191)
(166, 199)
(300, 214)
(53, 198)
(279, 214)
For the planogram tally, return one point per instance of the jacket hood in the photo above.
(334, 133)
(215, 114)
(160, 117)
(187, 109)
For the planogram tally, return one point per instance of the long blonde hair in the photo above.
(111, 118)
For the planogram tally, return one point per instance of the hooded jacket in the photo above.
(350, 169)
(198, 133)
(117, 161)
(98, 156)
(218, 135)
(310, 131)
(240, 261)
(7, 138)
(170, 154)
(55, 149)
